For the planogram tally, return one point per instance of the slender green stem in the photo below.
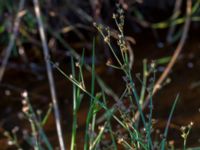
(44, 120)
(34, 134)
(111, 48)
(74, 124)
(168, 123)
(144, 82)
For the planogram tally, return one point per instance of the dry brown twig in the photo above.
(173, 59)
(13, 37)
(50, 74)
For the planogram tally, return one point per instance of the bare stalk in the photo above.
(8, 49)
(50, 74)
(173, 59)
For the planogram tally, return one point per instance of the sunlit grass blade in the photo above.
(44, 120)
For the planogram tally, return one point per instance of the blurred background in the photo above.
(154, 29)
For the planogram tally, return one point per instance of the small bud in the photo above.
(157, 86)
(109, 62)
(120, 140)
(146, 73)
(114, 16)
(94, 24)
(183, 128)
(39, 112)
(119, 36)
(122, 18)
(107, 39)
(101, 128)
(10, 143)
(120, 11)
(153, 65)
(107, 29)
(100, 27)
(24, 94)
(77, 64)
(190, 125)
(24, 102)
(6, 133)
(25, 109)
(171, 142)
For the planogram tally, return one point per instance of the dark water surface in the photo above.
(185, 80)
